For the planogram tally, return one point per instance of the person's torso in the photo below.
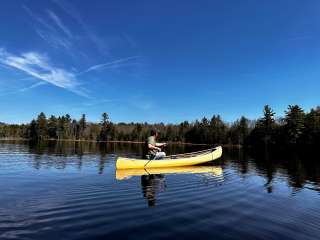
(152, 141)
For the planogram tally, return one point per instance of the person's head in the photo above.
(154, 133)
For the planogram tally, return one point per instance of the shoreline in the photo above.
(95, 141)
(129, 142)
(114, 141)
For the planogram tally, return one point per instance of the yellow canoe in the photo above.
(127, 173)
(187, 159)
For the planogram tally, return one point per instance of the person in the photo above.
(153, 149)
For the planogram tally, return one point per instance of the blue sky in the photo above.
(157, 60)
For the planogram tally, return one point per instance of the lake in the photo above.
(72, 191)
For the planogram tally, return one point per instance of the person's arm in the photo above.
(160, 144)
(150, 146)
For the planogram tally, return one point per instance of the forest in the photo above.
(296, 127)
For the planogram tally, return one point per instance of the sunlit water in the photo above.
(70, 191)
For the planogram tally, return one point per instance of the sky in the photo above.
(157, 61)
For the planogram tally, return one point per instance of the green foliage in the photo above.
(296, 128)
(267, 122)
(105, 128)
(295, 120)
(239, 131)
(264, 131)
(82, 127)
(33, 132)
(42, 127)
(311, 133)
(52, 127)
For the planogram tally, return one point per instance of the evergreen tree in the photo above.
(33, 132)
(217, 130)
(82, 126)
(239, 131)
(75, 129)
(263, 132)
(311, 134)
(104, 132)
(268, 121)
(42, 126)
(243, 129)
(294, 126)
(183, 128)
(52, 127)
(67, 127)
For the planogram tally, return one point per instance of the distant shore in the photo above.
(84, 140)
(131, 142)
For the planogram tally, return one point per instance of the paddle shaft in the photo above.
(153, 158)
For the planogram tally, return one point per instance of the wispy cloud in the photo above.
(59, 23)
(4, 66)
(38, 66)
(32, 86)
(114, 64)
(59, 36)
(75, 43)
(98, 42)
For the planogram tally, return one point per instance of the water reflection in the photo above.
(208, 170)
(152, 185)
(71, 190)
(299, 170)
(153, 180)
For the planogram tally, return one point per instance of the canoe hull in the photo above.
(130, 163)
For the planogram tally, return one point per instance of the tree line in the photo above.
(295, 128)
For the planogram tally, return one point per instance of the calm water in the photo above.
(71, 191)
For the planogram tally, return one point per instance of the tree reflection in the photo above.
(299, 167)
(103, 156)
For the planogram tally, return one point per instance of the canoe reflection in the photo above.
(153, 179)
(207, 170)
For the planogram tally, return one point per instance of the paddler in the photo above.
(152, 148)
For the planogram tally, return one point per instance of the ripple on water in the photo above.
(75, 202)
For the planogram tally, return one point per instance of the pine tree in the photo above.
(266, 125)
(311, 134)
(244, 129)
(294, 126)
(82, 126)
(52, 127)
(67, 127)
(104, 127)
(42, 126)
(268, 120)
(32, 132)
(217, 130)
